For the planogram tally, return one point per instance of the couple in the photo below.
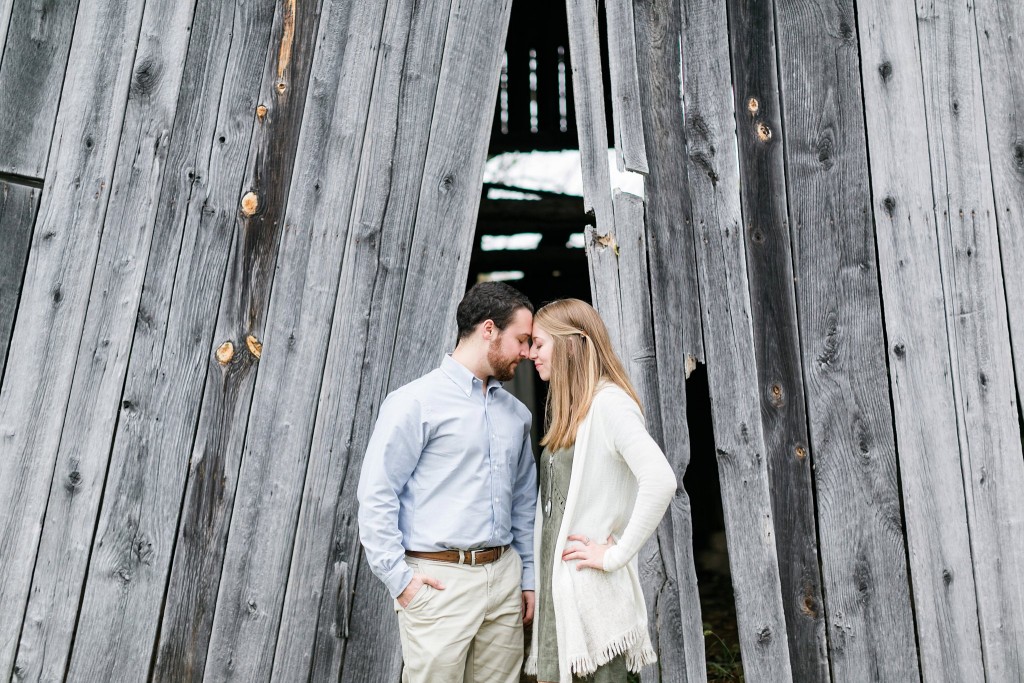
(452, 522)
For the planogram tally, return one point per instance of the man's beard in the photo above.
(504, 369)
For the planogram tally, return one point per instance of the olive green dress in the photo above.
(555, 470)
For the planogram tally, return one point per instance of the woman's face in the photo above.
(540, 352)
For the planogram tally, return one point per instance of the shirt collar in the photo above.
(461, 375)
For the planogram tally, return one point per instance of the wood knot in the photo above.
(255, 346)
(74, 481)
(890, 204)
(1018, 154)
(885, 71)
(899, 350)
(225, 352)
(775, 395)
(753, 105)
(801, 452)
(250, 203)
(764, 133)
(281, 87)
(261, 112)
(947, 577)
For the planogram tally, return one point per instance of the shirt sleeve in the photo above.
(391, 456)
(656, 481)
(524, 510)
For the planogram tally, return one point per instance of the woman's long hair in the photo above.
(582, 356)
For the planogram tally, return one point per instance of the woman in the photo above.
(604, 487)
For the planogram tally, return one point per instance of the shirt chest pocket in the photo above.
(504, 451)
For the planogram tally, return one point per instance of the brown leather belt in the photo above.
(471, 557)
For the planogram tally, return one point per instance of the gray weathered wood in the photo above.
(135, 533)
(315, 630)
(976, 319)
(56, 291)
(258, 547)
(666, 191)
(862, 542)
(18, 204)
(93, 405)
(6, 9)
(945, 603)
(32, 70)
(438, 254)
(740, 445)
(591, 125)
(223, 417)
(1000, 32)
(630, 147)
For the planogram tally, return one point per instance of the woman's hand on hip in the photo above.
(590, 553)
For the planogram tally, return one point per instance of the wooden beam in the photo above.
(945, 602)
(851, 422)
(630, 148)
(18, 204)
(32, 73)
(56, 290)
(976, 320)
(152, 442)
(224, 417)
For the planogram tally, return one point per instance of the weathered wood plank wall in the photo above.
(945, 603)
(871, 625)
(18, 204)
(33, 63)
(976, 315)
(56, 292)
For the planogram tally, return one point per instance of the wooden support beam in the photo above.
(18, 204)
(56, 292)
(945, 602)
(976, 321)
(152, 442)
(33, 64)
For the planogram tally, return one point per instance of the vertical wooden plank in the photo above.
(6, 9)
(976, 320)
(18, 205)
(81, 456)
(1000, 27)
(740, 445)
(253, 567)
(591, 125)
(134, 536)
(438, 253)
(314, 635)
(56, 291)
(32, 68)
(223, 418)
(862, 540)
(630, 148)
(945, 603)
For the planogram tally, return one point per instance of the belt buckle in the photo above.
(472, 557)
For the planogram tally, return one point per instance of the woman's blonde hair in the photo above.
(581, 357)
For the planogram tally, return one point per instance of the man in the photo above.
(447, 497)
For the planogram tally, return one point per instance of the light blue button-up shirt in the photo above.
(449, 466)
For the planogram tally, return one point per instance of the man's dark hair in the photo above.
(495, 301)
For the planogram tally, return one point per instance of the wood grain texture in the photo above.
(740, 446)
(6, 9)
(630, 146)
(32, 70)
(945, 603)
(1000, 32)
(863, 547)
(976, 320)
(315, 637)
(223, 418)
(259, 546)
(588, 103)
(666, 188)
(56, 292)
(93, 404)
(18, 204)
(135, 534)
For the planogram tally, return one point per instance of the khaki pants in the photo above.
(470, 631)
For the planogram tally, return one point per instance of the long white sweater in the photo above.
(620, 485)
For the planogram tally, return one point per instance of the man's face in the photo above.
(511, 345)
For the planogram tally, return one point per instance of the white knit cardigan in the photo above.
(620, 485)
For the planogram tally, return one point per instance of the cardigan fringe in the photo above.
(631, 644)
